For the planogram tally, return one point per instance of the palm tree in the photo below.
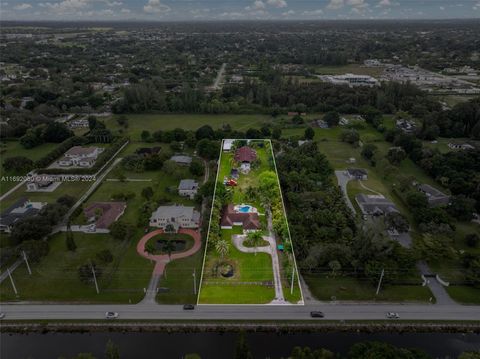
(222, 248)
(254, 238)
(169, 247)
(334, 266)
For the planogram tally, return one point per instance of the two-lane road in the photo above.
(240, 312)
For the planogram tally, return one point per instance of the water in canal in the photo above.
(218, 345)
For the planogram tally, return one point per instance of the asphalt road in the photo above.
(240, 312)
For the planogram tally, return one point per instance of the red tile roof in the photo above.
(245, 154)
(229, 217)
(110, 212)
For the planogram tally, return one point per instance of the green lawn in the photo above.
(464, 294)
(154, 122)
(55, 277)
(347, 288)
(178, 278)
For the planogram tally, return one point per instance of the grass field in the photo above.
(56, 278)
(347, 288)
(151, 122)
(464, 294)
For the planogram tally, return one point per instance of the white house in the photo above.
(227, 145)
(178, 216)
(188, 188)
(80, 156)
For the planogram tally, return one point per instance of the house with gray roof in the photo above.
(18, 211)
(178, 216)
(181, 160)
(435, 197)
(188, 188)
(375, 205)
(357, 173)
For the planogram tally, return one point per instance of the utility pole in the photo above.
(13, 283)
(380, 281)
(293, 279)
(26, 261)
(94, 278)
(194, 282)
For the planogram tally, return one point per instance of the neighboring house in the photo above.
(375, 205)
(434, 196)
(188, 188)
(42, 184)
(103, 214)
(147, 151)
(357, 173)
(245, 155)
(182, 160)
(460, 146)
(227, 145)
(343, 121)
(230, 217)
(320, 123)
(178, 216)
(21, 209)
(80, 156)
(302, 142)
(406, 125)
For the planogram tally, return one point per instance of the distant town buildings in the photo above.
(406, 126)
(460, 146)
(350, 80)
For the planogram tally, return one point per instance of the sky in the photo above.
(172, 10)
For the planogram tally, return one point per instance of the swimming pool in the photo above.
(245, 208)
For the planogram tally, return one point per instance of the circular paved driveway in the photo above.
(162, 259)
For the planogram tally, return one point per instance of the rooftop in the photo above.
(110, 212)
(245, 154)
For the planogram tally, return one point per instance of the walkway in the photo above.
(343, 180)
(161, 260)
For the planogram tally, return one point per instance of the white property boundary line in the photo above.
(286, 220)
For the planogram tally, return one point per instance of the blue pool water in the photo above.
(244, 209)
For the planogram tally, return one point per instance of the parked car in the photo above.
(2, 315)
(111, 315)
(392, 315)
(188, 307)
(317, 314)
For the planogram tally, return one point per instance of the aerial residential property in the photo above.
(375, 205)
(181, 160)
(102, 214)
(178, 216)
(21, 209)
(238, 216)
(357, 173)
(188, 188)
(80, 156)
(245, 156)
(435, 197)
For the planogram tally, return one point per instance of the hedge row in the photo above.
(101, 160)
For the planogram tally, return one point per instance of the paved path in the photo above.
(218, 79)
(17, 186)
(271, 249)
(12, 268)
(161, 260)
(438, 290)
(343, 180)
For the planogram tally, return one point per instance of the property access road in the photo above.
(240, 312)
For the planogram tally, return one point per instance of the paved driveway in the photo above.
(343, 179)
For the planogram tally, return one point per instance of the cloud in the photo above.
(357, 3)
(384, 3)
(66, 6)
(288, 13)
(257, 5)
(155, 7)
(442, 8)
(125, 11)
(231, 15)
(312, 12)
(335, 4)
(21, 7)
(113, 3)
(476, 6)
(277, 3)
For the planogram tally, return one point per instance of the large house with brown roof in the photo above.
(103, 214)
(245, 155)
(230, 217)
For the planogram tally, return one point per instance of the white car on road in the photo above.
(393, 315)
(111, 315)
